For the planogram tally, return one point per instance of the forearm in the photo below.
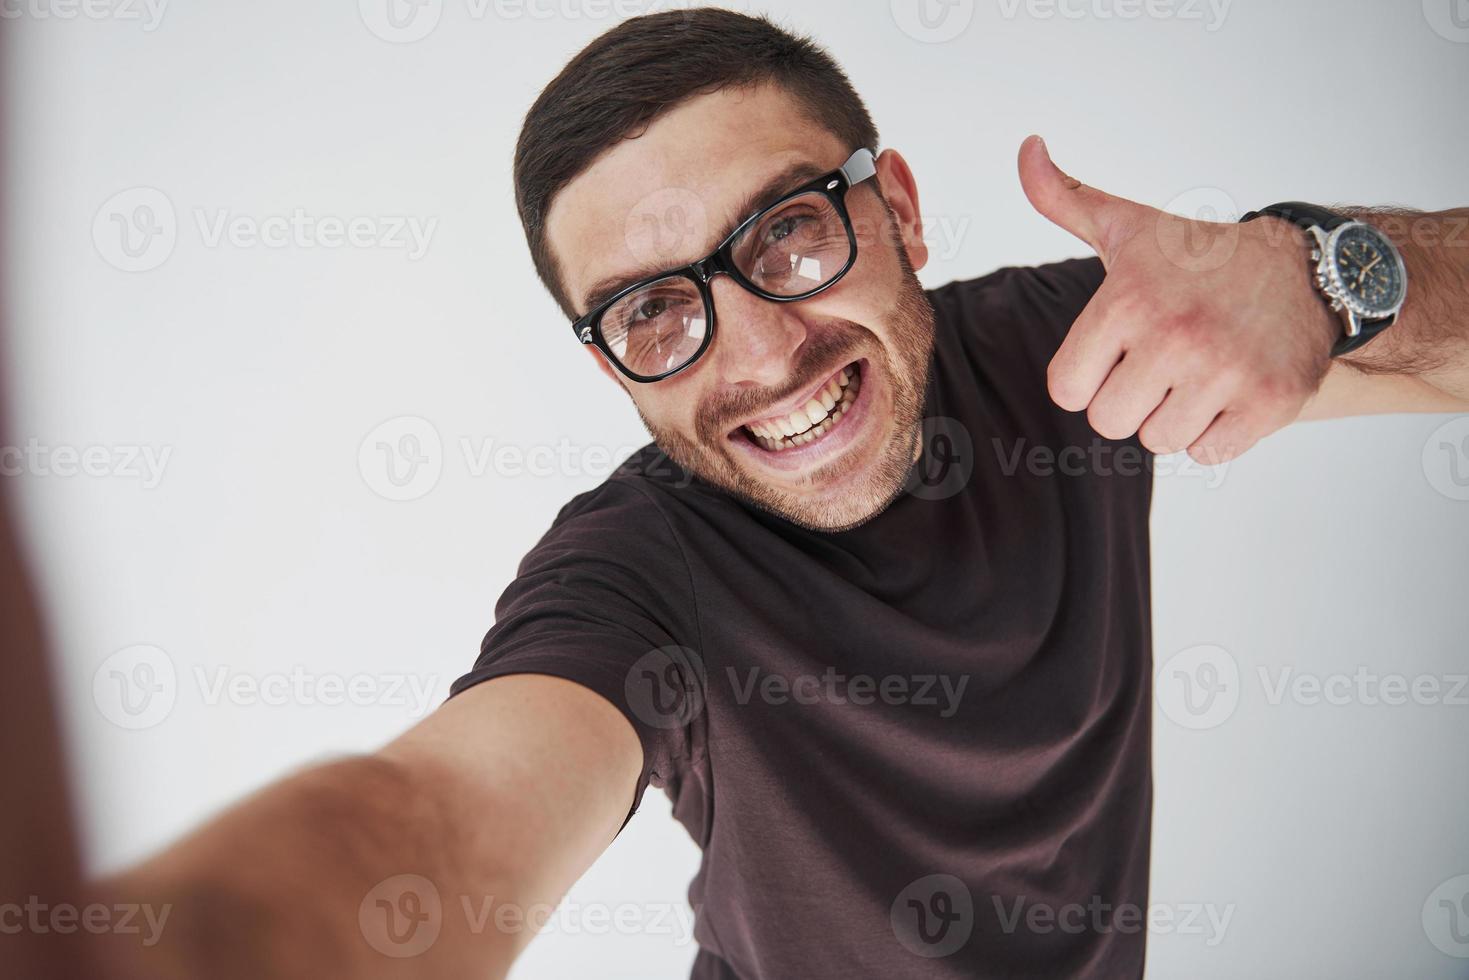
(273, 887)
(1430, 340)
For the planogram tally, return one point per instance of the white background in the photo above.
(265, 547)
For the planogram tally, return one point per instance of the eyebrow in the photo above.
(767, 193)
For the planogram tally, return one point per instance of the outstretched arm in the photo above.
(403, 863)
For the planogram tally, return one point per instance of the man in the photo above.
(895, 679)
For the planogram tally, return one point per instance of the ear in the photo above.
(901, 192)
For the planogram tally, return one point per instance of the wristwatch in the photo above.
(1359, 271)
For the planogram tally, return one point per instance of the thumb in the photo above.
(1089, 214)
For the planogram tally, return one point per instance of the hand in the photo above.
(1204, 336)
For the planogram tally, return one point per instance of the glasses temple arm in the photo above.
(859, 166)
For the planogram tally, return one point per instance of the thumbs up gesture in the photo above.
(1203, 336)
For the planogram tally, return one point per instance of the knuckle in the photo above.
(1184, 327)
(1157, 439)
(1107, 422)
(1060, 383)
(1205, 454)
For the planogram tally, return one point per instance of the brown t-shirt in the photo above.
(917, 748)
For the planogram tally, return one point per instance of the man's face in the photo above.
(667, 198)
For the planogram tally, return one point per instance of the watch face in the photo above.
(1368, 270)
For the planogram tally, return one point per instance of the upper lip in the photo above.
(776, 414)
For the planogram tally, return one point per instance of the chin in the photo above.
(851, 467)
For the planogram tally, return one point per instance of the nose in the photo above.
(757, 337)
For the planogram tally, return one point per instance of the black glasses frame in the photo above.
(860, 166)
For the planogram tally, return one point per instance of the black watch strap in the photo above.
(1304, 215)
(1301, 214)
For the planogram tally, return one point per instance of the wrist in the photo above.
(1322, 326)
(1357, 270)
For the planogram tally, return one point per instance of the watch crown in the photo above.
(1336, 304)
(1315, 255)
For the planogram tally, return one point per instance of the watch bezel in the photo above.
(1328, 270)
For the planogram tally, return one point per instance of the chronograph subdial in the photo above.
(1363, 271)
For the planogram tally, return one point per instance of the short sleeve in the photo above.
(604, 600)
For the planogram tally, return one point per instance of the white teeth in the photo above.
(809, 422)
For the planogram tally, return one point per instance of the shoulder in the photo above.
(619, 525)
(1025, 308)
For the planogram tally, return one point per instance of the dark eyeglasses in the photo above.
(791, 250)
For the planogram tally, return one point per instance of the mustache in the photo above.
(816, 358)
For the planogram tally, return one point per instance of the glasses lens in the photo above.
(800, 245)
(657, 328)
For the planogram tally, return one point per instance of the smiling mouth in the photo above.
(811, 421)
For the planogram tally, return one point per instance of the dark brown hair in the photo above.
(630, 75)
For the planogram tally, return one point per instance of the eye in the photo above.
(783, 227)
(651, 308)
